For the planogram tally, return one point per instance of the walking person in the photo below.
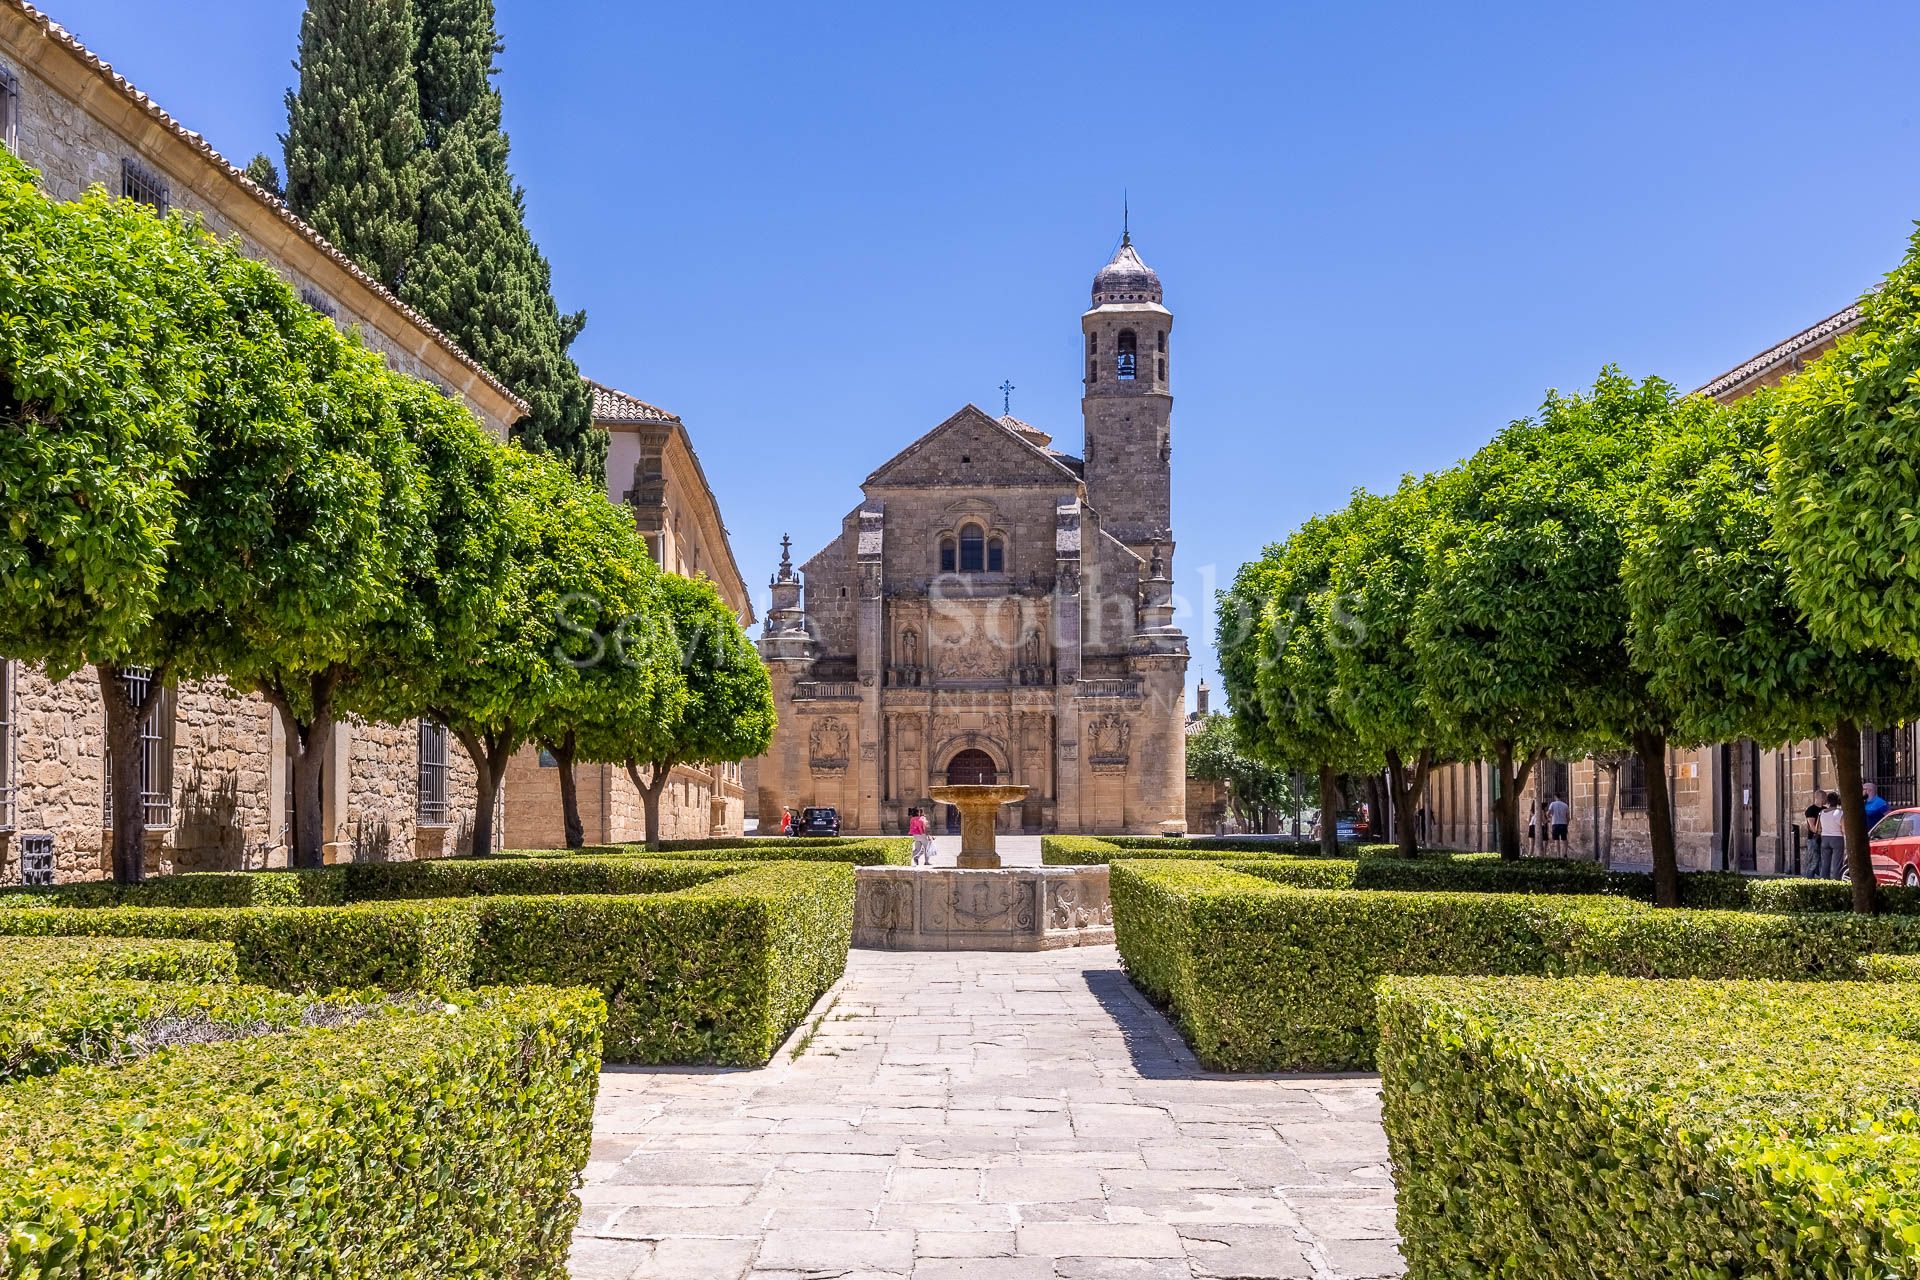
(1810, 829)
(1557, 814)
(1833, 839)
(922, 839)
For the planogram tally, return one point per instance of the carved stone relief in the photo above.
(1110, 736)
(827, 746)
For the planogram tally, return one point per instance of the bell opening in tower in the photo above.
(1125, 361)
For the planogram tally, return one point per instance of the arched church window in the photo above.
(973, 549)
(949, 557)
(1093, 344)
(1123, 363)
(996, 556)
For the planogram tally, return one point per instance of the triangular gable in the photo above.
(995, 455)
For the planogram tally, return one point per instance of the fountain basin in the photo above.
(978, 803)
(997, 909)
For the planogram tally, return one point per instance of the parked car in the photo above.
(1353, 826)
(816, 822)
(1895, 843)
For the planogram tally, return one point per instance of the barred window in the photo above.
(156, 753)
(137, 182)
(9, 110)
(6, 744)
(433, 774)
(1633, 785)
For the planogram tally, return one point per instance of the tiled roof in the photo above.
(1783, 353)
(617, 406)
(120, 84)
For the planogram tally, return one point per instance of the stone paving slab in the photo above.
(986, 1116)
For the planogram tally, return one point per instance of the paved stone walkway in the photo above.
(993, 1117)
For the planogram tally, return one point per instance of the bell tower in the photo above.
(1127, 407)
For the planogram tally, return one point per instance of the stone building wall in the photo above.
(229, 784)
(611, 808)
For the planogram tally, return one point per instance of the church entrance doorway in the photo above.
(971, 768)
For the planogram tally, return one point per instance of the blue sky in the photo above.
(1384, 228)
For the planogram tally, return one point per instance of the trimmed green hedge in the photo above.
(1615, 1130)
(873, 851)
(715, 973)
(484, 877)
(320, 887)
(1301, 873)
(410, 1146)
(1265, 977)
(1887, 968)
(141, 959)
(397, 946)
(1793, 895)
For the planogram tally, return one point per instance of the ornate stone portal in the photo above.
(1005, 909)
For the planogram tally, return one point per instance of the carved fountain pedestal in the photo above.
(980, 905)
(979, 806)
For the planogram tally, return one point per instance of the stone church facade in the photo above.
(996, 610)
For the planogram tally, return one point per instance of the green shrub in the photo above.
(48, 1023)
(1616, 1130)
(398, 946)
(142, 959)
(714, 973)
(873, 851)
(192, 889)
(1085, 851)
(1795, 895)
(486, 876)
(411, 1146)
(1266, 977)
(1886, 968)
(1300, 873)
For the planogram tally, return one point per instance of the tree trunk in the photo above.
(1843, 744)
(1511, 779)
(1606, 820)
(490, 753)
(129, 835)
(650, 793)
(1329, 811)
(575, 832)
(308, 747)
(1408, 786)
(1376, 809)
(1651, 747)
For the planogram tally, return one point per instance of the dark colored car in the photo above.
(816, 822)
(1895, 841)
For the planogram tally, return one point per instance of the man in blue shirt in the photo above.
(1876, 805)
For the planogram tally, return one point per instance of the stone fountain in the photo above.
(980, 905)
(979, 807)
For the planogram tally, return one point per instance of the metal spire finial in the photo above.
(1126, 221)
(1006, 398)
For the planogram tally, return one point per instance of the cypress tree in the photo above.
(354, 134)
(475, 270)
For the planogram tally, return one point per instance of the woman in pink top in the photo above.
(922, 842)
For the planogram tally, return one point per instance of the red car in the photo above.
(1895, 842)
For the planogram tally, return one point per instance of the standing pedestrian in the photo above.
(1833, 839)
(1877, 805)
(1557, 815)
(922, 840)
(1810, 829)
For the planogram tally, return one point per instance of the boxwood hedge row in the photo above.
(418, 1143)
(1262, 976)
(698, 962)
(397, 946)
(144, 959)
(871, 851)
(1614, 1130)
(715, 973)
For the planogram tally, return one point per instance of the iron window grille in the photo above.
(36, 860)
(137, 182)
(7, 791)
(1633, 785)
(156, 753)
(9, 111)
(432, 809)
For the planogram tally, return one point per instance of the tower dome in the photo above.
(1126, 278)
